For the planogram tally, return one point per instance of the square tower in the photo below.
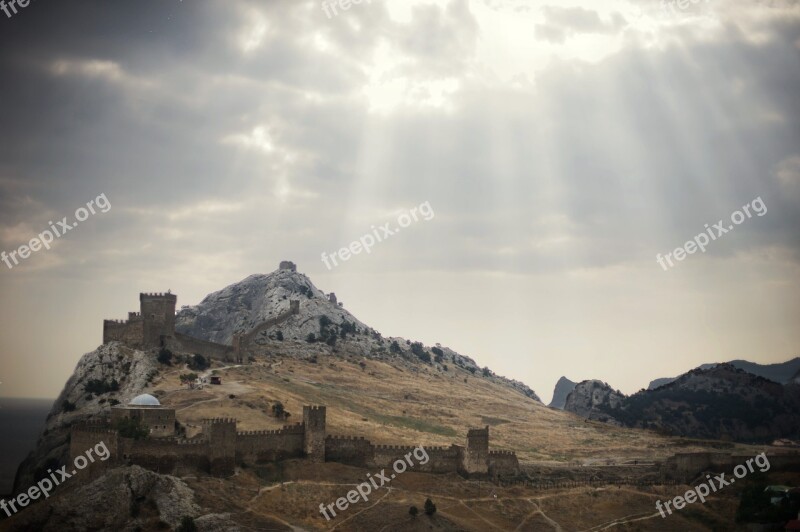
(476, 456)
(314, 438)
(158, 315)
(221, 434)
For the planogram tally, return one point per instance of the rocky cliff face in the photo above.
(128, 498)
(595, 400)
(242, 306)
(110, 373)
(563, 388)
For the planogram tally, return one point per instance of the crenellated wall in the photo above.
(503, 464)
(189, 344)
(221, 447)
(350, 450)
(270, 445)
(128, 332)
(172, 457)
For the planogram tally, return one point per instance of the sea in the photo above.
(21, 422)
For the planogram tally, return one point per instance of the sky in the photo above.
(560, 148)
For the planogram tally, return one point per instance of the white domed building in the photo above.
(159, 420)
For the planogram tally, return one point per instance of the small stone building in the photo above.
(160, 421)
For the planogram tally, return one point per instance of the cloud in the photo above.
(561, 23)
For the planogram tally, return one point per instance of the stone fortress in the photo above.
(220, 446)
(154, 327)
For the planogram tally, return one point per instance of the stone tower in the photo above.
(221, 434)
(314, 439)
(158, 315)
(476, 456)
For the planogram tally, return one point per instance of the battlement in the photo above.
(478, 433)
(397, 448)
(218, 421)
(159, 295)
(191, 442)
(313, 408)
(134, 316)
(297, 428)
(345, 438)
(92, 429)
(502, 453)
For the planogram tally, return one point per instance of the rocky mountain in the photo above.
(721, 402)
(781, 373)
(114, 373)
(594, 399)
(245, 305)
(563, 387)
(110, 374)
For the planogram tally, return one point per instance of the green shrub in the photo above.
(165, 356)
(99, 387)
(199, 363)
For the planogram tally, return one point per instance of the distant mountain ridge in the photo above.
(717, 402)
(563, 388)
(781, 373)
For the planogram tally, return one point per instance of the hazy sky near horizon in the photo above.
(561, 144)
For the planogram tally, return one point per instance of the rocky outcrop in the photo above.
(563, 388)
(594, 400)
(114, 373)
(248, 306)
(129, 498)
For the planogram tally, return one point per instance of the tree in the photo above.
(486, 371)
(413, 511)
(188, 378)
(430, 508)
(279, 336)
(165, 356)
(394, 347)
(278, 410)
(199, 363)
(438, 352)
(311, 338)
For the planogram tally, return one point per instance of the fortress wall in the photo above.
(687, 465)
(167, 456)
(349, 450)
(272, 322)
(503, 463)
(84, 438)
(268, 446)
(440, 459)
(213, 350)
(130, 333)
